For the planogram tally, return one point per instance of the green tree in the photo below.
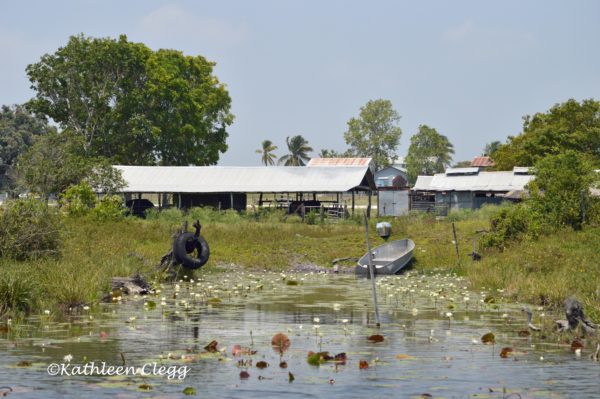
(571, 125)
(375, 133)
(561, 188)
(491, 148)
(131, 104)
(327, 153)
(429, 153)
(267, 156)
(18, 129)
(298, 148)
(51, 165)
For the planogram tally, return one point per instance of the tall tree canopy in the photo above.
(298, 148)
(266, 151)
(18, 129)
(568, 126)
(131, 104)
(429, 153)
(375, 133)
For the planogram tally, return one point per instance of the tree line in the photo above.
(375, 134)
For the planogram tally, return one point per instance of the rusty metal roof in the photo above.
(339, 162)
(235, 179)
(482, 161)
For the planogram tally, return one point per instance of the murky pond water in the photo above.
(431, 326)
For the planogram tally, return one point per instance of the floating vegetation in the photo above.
(223, 326)
(488, 339)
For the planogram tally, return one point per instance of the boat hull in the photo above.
(389, 258)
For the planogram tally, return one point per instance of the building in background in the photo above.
(468, 188)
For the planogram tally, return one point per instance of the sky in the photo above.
(470, 69)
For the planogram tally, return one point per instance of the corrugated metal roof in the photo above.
(462, 171)
(483, 181)
(234, 179)
(423, 183)
(521, 170)
(482, 161)
(339, 162)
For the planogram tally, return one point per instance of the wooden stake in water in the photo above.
(372, 271)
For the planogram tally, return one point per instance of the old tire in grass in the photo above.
(191, 251)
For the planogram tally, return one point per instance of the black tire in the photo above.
(184, 247)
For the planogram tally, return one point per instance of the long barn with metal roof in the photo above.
(227, 186)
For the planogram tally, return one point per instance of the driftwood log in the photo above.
(135, 285)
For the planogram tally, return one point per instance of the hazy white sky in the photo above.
(471, 69)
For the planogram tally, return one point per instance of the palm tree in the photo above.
(298, 148)
(268, 158)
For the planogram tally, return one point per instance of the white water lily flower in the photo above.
(68, 358)
(46, 312)
(415, 311)
(316, 319)
(345, 321)
(337, 306)
(448, 314)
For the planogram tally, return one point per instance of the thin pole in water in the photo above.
(372, 271)
(455, 243)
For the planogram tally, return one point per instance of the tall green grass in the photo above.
(543, 271)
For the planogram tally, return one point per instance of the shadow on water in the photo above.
(432, 327)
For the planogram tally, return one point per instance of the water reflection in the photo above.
(424, 351)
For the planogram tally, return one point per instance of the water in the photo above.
(432, 327)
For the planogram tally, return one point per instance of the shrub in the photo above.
(211, 215)
(29, 229)
(561, 189)
(18, 294)
(312, 217)
(512, 223)
(78, 199)
(171, 215)
(110, 207)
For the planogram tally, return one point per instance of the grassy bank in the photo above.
(542, 272)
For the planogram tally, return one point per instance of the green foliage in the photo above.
(568, 126)
(491, 148)
(51, 165)
(133, 105)
(312, 217)
(510, 223)
(110, 207)
(561, 188)
(78, 199)
(429, 153)
(19, 293)
(104, 177)
(298, 148)
(29, 230)
(375, 133)
(267, 156)
(18, 130)
(170, 215)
